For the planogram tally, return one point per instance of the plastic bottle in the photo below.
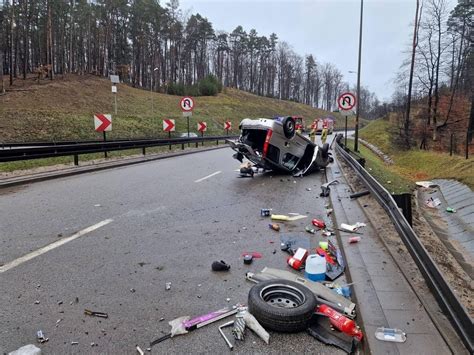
(342, 323)
(390, 334)
(315, 269)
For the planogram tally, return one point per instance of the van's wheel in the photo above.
(289, 128)
(325, 150)
(282, 305)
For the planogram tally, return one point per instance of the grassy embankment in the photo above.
(412, 165)
(63, 109)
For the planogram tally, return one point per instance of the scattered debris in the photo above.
(450, 210)
(320, 328)
(248, 258)
(329, 211)
(340, 322)
(255, 255)
(390, 334)
(318, 223)
(265, 212)
(224, 336)
(139, 350)
(37, 302)
(40, 337)
(298, 259)
(98, 205)
(433, 203)
(220, 266)
(354, 240)
(326, 233)
(60, 303)
(132, 290)
(168, 286)
(352, 227)
(239, 324)
(308, 189)
(227, 299)
(74, 343)
(96, 314)
(315, 268)
(359, 194)
(325, 190)
(183, 325)
(58, 321)
(29, 349)
(274, 226)
(310, 229)
(285, 218)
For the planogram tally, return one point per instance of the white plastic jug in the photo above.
(315, 269)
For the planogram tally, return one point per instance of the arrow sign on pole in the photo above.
(227, 125)
(102, 122)
(169, 126)
(202, 126)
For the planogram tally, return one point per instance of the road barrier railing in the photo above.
(75, 149)
(455, 310)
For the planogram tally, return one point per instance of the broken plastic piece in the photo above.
(426, 184)
(390, 334)
(450, 210)
(354, 240)
(168, 286)
(325, 188)
(220, 266)
(265, 212)
(41, 337)
(310, 229)
(320, 328)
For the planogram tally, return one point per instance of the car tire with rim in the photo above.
(289, 127)
(282, 305)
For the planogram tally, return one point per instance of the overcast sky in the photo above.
(328, 29)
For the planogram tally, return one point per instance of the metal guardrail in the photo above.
(445, 296)
(75, 149)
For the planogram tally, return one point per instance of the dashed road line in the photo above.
(208, 176)
(52, 246)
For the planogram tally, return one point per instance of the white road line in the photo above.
(52, 246)
(208, 176)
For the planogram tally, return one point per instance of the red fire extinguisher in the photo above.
(342, 323)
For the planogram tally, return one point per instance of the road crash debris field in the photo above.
(209, 264)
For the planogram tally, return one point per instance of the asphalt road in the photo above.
(165, 221)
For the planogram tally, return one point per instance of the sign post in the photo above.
(114, 79)
(169, 126)
(202, 127)
(227, 126)
(187, 106)
(103, 123)
(346, 102)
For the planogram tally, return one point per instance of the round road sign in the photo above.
(346, 101)
(187, 104)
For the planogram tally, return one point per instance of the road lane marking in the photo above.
(52, 246)
(208, 176)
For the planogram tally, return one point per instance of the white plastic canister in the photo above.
(315, 269)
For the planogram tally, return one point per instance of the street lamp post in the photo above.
(356, 136)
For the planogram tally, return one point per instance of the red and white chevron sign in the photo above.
(169, 126)
(227, 125)
(202, 126)
(102, 123)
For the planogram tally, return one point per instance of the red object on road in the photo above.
(255, 254)
(298, 259)
(342, 323)
(318, 223)
(354, 239)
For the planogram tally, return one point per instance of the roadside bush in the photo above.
(208, 87)
(176, 89)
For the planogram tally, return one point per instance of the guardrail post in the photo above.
(197, 143)
(144, 150)
(451, 145)
(361, 162)
(467, 145)
(217, 142)
(182, 146)
(76, 159)
(403, 201)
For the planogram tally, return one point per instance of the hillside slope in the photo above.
(63, 109)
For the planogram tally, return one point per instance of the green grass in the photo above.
(412, 165)
(391, 180)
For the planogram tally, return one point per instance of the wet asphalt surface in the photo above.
(166, 228)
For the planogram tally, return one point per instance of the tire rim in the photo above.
(282, 296)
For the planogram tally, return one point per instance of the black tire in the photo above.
(325, 150)
(282, 305)
(289, 127)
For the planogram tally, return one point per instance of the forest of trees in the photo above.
(444, 66)
(159, 47)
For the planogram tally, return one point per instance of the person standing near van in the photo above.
(324, 132)
(312, 133)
